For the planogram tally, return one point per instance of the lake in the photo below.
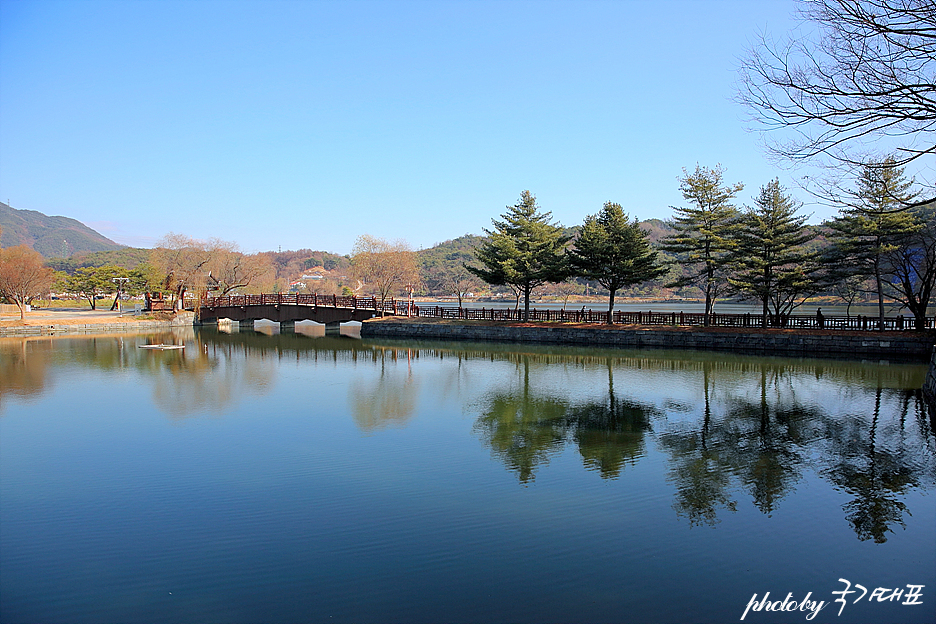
(299, 477)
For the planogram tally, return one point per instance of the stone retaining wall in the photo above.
(95, 328)
(892, 347)
(929, 386)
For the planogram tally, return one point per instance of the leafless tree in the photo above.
(385, 265)
(23, 276)
(183, 261)
(231, 270)
(862, 71)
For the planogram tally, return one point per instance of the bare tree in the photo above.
(184, 262)
(866, 74)
(23, 276)
(910, 267)
(385, 265)
(230, 270)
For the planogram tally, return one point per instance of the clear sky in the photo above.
(292, 124)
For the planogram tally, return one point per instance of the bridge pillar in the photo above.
(332, 329)
(245, 324)
(287, 326)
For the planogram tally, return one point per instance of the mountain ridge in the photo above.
(50, 235)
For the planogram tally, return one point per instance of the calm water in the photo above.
(260, 477)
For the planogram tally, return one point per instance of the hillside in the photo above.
(49, 235)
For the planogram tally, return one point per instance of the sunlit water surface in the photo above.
(265, 477)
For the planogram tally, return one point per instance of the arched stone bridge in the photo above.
(287, 308)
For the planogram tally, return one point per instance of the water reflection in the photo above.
(759, 426)
(524, 429)
(22, 368)
(390, 399)
(733, 430)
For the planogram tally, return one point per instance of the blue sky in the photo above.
(291, 124)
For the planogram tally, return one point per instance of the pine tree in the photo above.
(525, 250)
(771, 264)
(614, 252)
(873, 224)
(704, 235)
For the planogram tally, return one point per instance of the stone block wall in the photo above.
(891, 347)
(929, 386)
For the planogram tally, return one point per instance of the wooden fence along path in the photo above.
(673, 319)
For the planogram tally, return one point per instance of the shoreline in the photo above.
(48, 323)
(893, 346)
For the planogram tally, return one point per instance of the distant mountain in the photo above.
(50, 236)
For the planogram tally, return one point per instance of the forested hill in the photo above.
(50, 236)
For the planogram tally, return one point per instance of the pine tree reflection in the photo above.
(766, 443)
(700, 465)
(610, 434)
(877, 463)
(524, 430)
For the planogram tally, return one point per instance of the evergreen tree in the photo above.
(704, 232)
(911, 267)
(873, 224)
(771, 264)
(524, 251)
(614, 252)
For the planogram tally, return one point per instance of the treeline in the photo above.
(881, 245)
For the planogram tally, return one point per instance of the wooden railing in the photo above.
(675, 319)
(390, 306)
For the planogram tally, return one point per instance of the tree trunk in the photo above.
(526, 303)
(611, 307)
(880, 292)
(708, 303)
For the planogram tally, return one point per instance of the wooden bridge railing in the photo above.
(390, 306)
(676, 319)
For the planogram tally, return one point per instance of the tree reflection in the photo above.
(767, 438)
(610, 434)
(522, 429)
(388, 401)
(525, 429)
(876, 465)
(23, 366)
(764, 443)
(701, 467)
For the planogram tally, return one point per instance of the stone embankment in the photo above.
(929, 386)
(892, 346)
(94, 325)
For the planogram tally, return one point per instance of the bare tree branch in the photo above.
(868, 73)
